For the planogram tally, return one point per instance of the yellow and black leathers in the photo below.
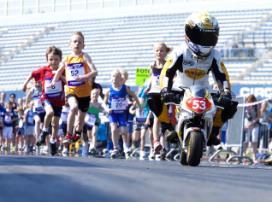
(185, 69)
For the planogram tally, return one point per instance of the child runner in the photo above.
(79, 69)
(92, 121)
(155, 104)
(9, 117)
(21, 124)
(35, 94)
(129, 116)
(141, 122)
(2, 110)
(63, 126)
(116, 97)
(52, 97)
(29, 128)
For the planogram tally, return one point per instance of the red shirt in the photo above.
(36, 75)
(54, 95)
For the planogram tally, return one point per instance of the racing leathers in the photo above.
(193, 70)
(184, 69)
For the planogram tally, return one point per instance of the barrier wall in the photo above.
(235, 126)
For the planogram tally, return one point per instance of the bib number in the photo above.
(73, 71)
(90, 119)
(119, 104)
(54, 91)
(38, 105)
(7, 118)
(30, 120)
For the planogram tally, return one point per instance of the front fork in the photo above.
(184, 133)
(179, 131)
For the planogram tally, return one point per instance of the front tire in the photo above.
(195, 148)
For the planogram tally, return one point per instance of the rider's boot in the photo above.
(213, 138)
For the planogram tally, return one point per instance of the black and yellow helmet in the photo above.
(201, 31)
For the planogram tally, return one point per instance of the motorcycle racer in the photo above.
(192, 63)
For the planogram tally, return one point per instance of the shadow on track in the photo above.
(44, 161)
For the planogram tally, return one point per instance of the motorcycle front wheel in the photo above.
(195, 148)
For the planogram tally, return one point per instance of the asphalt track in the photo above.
(42, 178)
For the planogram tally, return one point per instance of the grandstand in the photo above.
(126, 39)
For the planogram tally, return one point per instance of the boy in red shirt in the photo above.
(53, 97)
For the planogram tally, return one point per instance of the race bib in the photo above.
(30, 120)
(73, 71)
(155, 84)
(54, 91)
(140, 115)
(155, 81)
(90, 119)
(7, 119)
(119, 104)
(38, 107)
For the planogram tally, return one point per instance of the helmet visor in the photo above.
(206, 37)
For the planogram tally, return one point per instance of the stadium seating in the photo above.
(119, 42)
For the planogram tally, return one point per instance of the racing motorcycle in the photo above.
(197, 108)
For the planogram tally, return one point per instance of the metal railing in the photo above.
(27, 7)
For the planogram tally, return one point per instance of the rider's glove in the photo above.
(227, 94)
(225, 97)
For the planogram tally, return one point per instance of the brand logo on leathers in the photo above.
(195, 73)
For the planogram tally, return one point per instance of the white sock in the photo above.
(91, 145)
(125, 146)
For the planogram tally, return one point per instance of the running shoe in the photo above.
(68, 138)
(151, 156)
(53, 148)
(76, 137)
(93, 151)
(114, 154)
(127, 155)
(42, 138)
(158, 157)
(142, 155)
(65, 151)
(157, 147)
(44, 150)
(105, 153)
